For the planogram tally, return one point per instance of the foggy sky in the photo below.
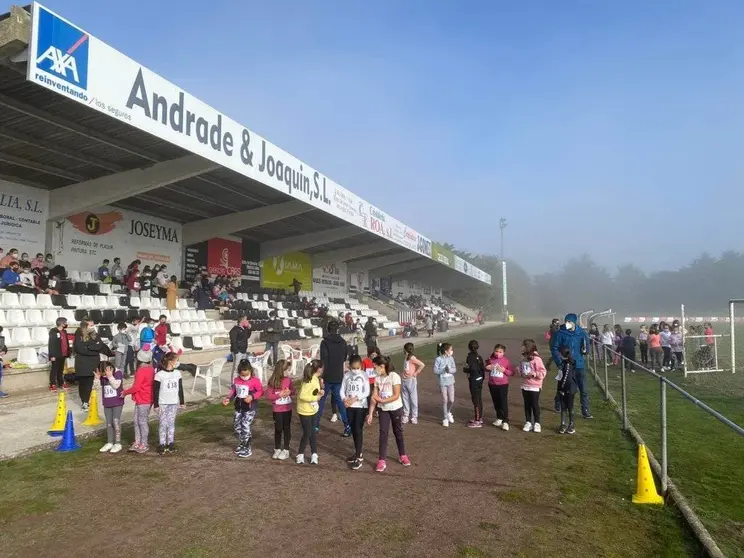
(618, 124)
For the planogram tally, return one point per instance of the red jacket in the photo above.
(141, 390)
(161, 330)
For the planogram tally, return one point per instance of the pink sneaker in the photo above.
(405, 461)
(381, 466)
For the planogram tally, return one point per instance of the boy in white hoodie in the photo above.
(354, 393)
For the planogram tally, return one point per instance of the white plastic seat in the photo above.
(193, 316)
(69, 315)
(15, 318)
(101, 302)
(113, 302)
(88, 301)
(212, 327)
(197, 342)
(20, 337)
(207, 342)
(135, 302)
(74, 275)
(201, 315)
(44, 301)
(10, 300)
(203, 328)
(28, 356)
(3, 319)
(186, 328)
(175, 328)
(177, 344)
(87, 277)
(105, 288)
(181, 304)
(209, 373)
(50, 316)
(27, 300)
(221, 327)
(34, 317)
(40, 336)
(75, 301)
(145, 303)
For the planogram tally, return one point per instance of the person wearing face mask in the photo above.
(44, 283)
(11, 280)
(38, 262)
(58, 349)
(574, 337)
(11, 256)
(280, 390)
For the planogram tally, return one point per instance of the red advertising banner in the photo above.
(224, 257)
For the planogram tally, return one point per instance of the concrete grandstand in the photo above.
(102, 158)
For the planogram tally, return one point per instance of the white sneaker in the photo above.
(314, 459)
(106, 448)
(450, 418)
(527, 427)
(277, 453)
(284, 454)
(404, 420)
(505, 427)
(537, 427)
(498, 422)
(300, 459)
(445, 423)
(116, 448)
(334, 418)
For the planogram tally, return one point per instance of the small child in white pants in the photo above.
(444, 368)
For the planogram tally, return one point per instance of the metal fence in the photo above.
(599, 359)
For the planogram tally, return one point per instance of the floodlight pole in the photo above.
(504, 299)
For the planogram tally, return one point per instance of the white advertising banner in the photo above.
(82, 241)
(359, 282)
(23, 217)
(331, 277)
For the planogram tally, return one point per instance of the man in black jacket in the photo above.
(239, 335)
(333, 353)
(273, 335)
(58, 350)
(370, 332)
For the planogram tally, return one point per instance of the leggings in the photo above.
(57, 372)
(656, 357)
(500, 396)
(448, 399)
(644, 352)
(679, 356)
(476, 396)
(567, 406)
(85, 386)
(531, 406)
(130, 360)
(667, 356)
(356, 419)
(409, 392)
(242, 423)
(308, 434)
(396, 418)
(167, 426)
(282, 425)
(113, 424)
(141, 424)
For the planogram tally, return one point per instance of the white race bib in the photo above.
(447, 375)
(525, 368)
(497, 373)
(241, 391)
(314, 405)
(136, 285)
(385, 394)
(284, 401)
(52, 283)
(109, 392)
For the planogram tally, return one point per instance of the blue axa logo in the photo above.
(62, 50)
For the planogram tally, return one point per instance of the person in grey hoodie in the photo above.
(121, 345)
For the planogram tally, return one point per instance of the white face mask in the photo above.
(569, 326)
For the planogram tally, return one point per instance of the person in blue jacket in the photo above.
(573, 336)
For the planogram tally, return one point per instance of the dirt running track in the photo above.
(461, 497)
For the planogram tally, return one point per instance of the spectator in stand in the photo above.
(27, 277)
(273, 335)
(49, 261)
(104, 275)
(117, 273)
(333, 352)
(44, 283)
(38, 262)
(161, 281)
(133, 283)
(161, 339)
(146, 280)
(11, 280)
(11, 256)
(58, 350)
(132, 268)
(88, 350)
(239, 335)
(296, 285)
(24, 259)
(370, 332)
(171, 293)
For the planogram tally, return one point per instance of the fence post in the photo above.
(624, 397)
(663, 406)
(606, 376)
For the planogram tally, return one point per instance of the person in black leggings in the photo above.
(354, 393)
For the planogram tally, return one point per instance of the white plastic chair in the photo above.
(104, 288)
(201, 315)
(87, 277)
(27, 300)
(193, 316)
(88, 301)
(198, 343)
(113, 302)
(175, 316)
(181, 304)
(40, 336)
(20, 337)
(175, 328)
(177, 344)
(15, 317)
(44, 301)
(28, 356)
(10, 300)
(186, 328)
(101, 302)
(209, 372)
(34, 317)
(207, 342)
(75, 301)
(135, 302)
(69, 315)
(50, 317)
(212, 327)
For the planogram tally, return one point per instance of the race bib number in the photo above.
(526, 368)
(284, 401)
(242, 392)
(385, 394)
(371, 373)
(136, 285)
(52, 283)
(406, 367)
(314, 405)
(109, 392)
(447, 375)
(171, 385)
(497, 373)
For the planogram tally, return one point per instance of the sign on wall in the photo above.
(251, 264)
(281, 272)
(23, 216)
(224, 257)
(331, 277)
(442, 255)
(359, 282)
(82, 241)
(195, 261)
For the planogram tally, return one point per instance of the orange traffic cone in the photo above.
(58, 426)
(93, 418)
(645, 487)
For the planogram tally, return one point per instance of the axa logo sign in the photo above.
(62, 50)
(424, 246)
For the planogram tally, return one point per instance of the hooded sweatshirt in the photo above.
(496, 377)
(533, 373)
(141, 390)
(475, 368)
(355, 384)
(444, 368)
(242, 388)
(575, 339)
(333, 355)
(112, 390)
(281, 404)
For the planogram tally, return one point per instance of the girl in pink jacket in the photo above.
(499, 370)
(280, 392)
(532, 370)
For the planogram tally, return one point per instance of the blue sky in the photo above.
(620, 123)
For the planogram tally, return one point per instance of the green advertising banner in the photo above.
(280, 272)
(440, 254)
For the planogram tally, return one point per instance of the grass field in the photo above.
(706, 458)
(469, 493)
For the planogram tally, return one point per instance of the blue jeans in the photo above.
(336, 390)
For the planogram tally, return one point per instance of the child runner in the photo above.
(533, 372)
(677, 346)
(369, 368)
(121, 344)
(608, 338)
(354, 394)
(567, 389)
(499, 369)
(654, 348)
(141, 392)
(307, 408)
(386, 396)
(246, 390)
(643, 344)
(666, 346)
(280, 391)
(444, 368)
(629, 350)
(167, 397)
(412, 367)
(475, 368)
(111, 381)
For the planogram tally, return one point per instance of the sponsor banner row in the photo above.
(689, 319)
(73, 63)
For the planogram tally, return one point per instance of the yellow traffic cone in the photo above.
(645, 487)
(93, 418)
(58, 426)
